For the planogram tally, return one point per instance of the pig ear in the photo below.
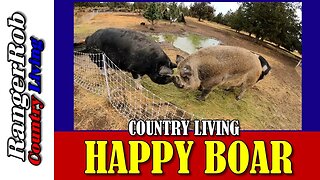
(179, 59)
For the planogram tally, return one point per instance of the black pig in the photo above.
(133, 52)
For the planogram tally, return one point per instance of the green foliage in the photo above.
(140, 5)
(165, 11)
(202, 10)
(113, 5)
(219, 19)
(173, 11)
(184, 9)
(227, 18)
(236, 20)
(152, 12)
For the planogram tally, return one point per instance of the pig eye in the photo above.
(185, 78)
(186, 71)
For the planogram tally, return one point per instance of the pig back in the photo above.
(228, 59)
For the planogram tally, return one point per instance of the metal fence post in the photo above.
(104, 59)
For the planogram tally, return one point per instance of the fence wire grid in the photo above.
(96, 73)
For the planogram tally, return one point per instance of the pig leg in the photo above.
(228, 90)
(242, 91)
(248, 83)
(204, 94)
(207, 87)
(137, 81)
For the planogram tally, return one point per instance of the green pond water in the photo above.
(189, 43)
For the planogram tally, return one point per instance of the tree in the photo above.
(152, 13)
(166, 14)
(274, 21)
(287, 32)
(163, 6)
(173, 12)
(237, 20)
(118, 5)
(184, 9)
(219, 18)
(202, 10)
(249, 17)
(181, 18)
(227, 17)
(209, 13)
(140, 5)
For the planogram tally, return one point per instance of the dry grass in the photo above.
(93, 112)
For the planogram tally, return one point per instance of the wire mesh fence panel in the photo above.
(87, 74)
(98, 74)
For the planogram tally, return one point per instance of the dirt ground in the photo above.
(273, 103)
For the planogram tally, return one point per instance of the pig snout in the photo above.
(177, 82)
(165, 71)
(160, 79)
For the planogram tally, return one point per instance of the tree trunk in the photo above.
(250, 34)
(199, 19)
